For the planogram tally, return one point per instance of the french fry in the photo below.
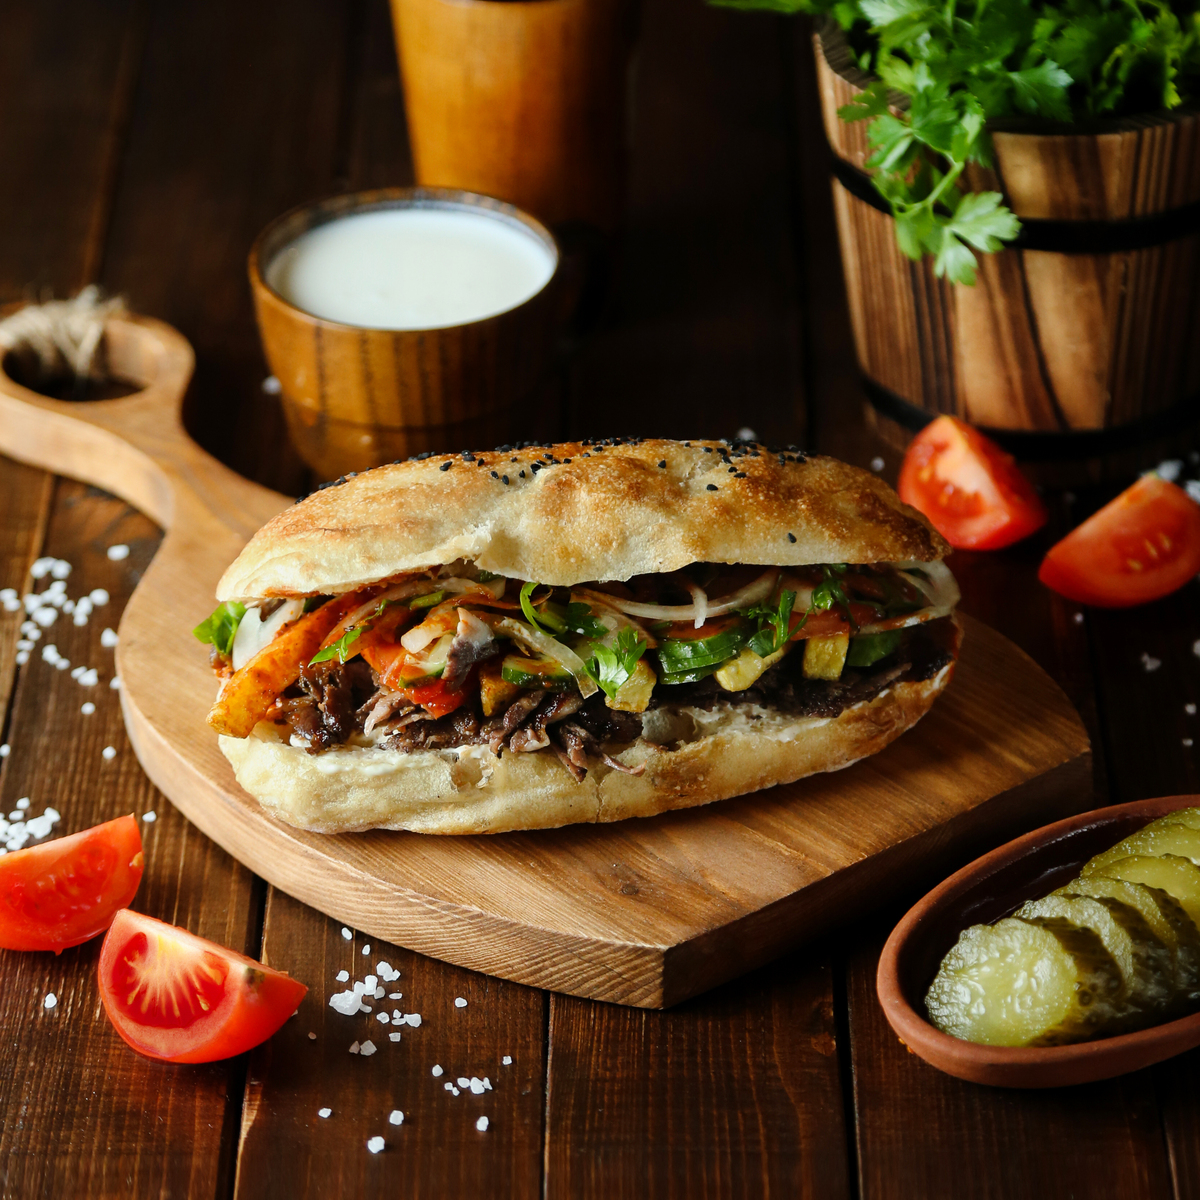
(249, 693)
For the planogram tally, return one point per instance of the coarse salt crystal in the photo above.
(118, 552)
(375, 1144)
(89, 678)
(482, 1124)
(395, 995)
(347, 1003)
(150, 817)
(63, 664)
(5, 750)
(506, 1060)
(115, 683)
(463, 1081)
(1190, 709)
(395, 1037)
(16, 815)
(877, 464)
(312, 1037)
(346, 933)
(45, 617)
(61, 568)
(98, 596)
(437, 1070)
(24, 644)
(395, 1117)
(87, 708)
(476, 1086)
(355, 1048)
(23, 804)
(22, 657)
(77, 671)
(378, 993)
(366, 949)
(108, 639)
(108, 753)
(487, 1083)
(448, 1086)
(369, 982)
(51, 1000)
(413, 1019)
(460, 1002)
(1187, 741)
(324, 1112)
(11, 605)
(453, 1090)
(272, 386)
(1149, 662)
(383, 1018)
(8, 593)
(342, 976)
(367, 1048)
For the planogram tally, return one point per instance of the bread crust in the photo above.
(472, 791)
(598, 511)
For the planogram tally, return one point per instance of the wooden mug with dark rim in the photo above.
(357, 397)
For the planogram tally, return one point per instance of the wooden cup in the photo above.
(355, 398)
(521, 99)
(1082, 342)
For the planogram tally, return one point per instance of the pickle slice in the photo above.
(1178, 877)
(1036, 982)
(1147, 968)
(1166, 837)
(1162, 912)
(1182, 816)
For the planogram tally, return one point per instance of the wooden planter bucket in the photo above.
(1080, 346)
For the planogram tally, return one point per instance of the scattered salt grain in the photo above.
(5, 750)
(1149, 662)
(8, 594)
(367, 1048)
(369, 983)
(1190, 709)
(41, 568)
(312, 1037)
(366, 949)
(324, 1112)
(347, 1003)
(99, 596)
(118, 552)
(108, 639)
(463, 1081)
(15, 815)
(460, 1002)
(394, 1037)
(877, 464)
(115, 683)
(45, 616)
(449, 1086)
(1169, 470)
(22, 657)
(386, 971)
(453, 1090)
(355, 1048)
(77, 671)
(51, 1000)
(11, 605)
(272, 386)
(87, 708)
(413, 1019)
(342, 976)
(346, 933)
(108, 753)
(378, 993)
(395, 995)
(506, 1060)
(23, 804)
(1078, 618)
(397, 1016)
(89, 678)
(61, 568)
(383, 1018)
(1192, 487)
(487, 1084)
(476, 1086)
(482, 1124)
(63, 664)
(1187, 742)
(375, 1144)
(395, 1117)
(437, 1070)
(24, 644)
(150, 817)
(746, 434)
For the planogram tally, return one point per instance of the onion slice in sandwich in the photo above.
(543, 643)
(755, 591)
(254, 630)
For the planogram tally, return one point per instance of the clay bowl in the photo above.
(992, 887)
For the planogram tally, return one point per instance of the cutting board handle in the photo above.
(135, 447)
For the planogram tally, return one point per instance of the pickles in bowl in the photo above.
(1115, 950)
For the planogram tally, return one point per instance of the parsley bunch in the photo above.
(954, 66)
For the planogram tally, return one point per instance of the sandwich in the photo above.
(540, 635)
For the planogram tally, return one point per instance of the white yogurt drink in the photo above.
(412, 268)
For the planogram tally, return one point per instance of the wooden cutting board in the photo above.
(644, 912)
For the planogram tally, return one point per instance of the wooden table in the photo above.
(143, 145)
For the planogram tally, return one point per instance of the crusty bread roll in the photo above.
(589, 512)
(600, 511)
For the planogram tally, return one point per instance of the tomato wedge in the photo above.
(1139, 547)
(179, 998)
(65, 892)
(968, 487)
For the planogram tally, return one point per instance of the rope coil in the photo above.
(62, 338)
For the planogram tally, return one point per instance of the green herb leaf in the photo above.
(221, 625)
(341, 648)
(580, 619)
(610, 667)
(773, 624)
(547, 622)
